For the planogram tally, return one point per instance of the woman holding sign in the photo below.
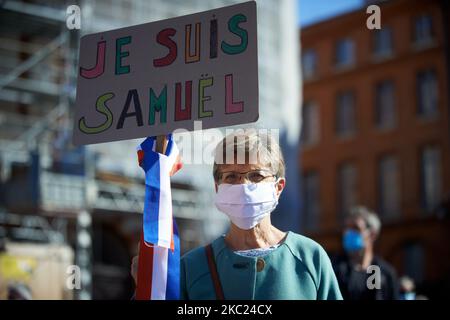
(255, 260)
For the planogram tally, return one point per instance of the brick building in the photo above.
(376, 132)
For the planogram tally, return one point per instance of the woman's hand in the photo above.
(177, 166)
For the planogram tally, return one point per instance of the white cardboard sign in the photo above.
(153, 78)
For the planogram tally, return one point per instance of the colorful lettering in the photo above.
(230, 105)
(132, 95)
(163, 38)
(202, 85)
(101, 107)
(158, 104)
(181, 114)
(120, 69)
(233, 26)
(99, 67)
(213, 39)
(187, 48)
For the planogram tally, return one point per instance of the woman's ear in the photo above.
(216, 186)
(280, 186)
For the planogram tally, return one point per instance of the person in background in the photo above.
(407, 288)
(362, 227)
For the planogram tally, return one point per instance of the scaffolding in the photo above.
(44, 178)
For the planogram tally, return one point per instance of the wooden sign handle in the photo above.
(161, 144)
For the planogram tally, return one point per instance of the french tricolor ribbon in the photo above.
(159, 247)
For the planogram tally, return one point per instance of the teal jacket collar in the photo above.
(220, 247)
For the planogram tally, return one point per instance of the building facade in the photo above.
(376, 133)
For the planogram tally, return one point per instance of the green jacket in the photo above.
(298, 269)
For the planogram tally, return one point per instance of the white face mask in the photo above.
(246, 204)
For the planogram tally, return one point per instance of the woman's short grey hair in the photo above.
(249, 146)
(371, 219)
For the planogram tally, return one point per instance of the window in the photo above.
(423, 29)
(427, 95)
(311, 200)
(310, 124)
(347, 189)
(345, 54)
(346, 114)
(309, 63)
(431, 184)
(388, 188)
(385, 105)
(382, 42)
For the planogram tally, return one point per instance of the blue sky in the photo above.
(311, 11)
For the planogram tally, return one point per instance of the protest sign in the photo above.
(153, 78)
